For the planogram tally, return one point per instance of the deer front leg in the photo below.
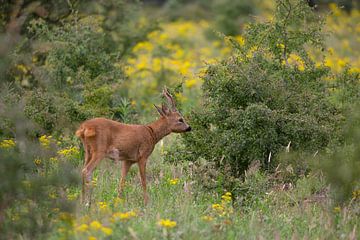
(142, 170)
(87, 175)
(124, 171)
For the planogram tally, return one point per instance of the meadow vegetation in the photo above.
(272, 101)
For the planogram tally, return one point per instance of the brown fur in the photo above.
(105, 138)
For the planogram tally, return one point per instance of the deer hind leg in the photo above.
(87, 151)
(124, 171)
(142, 170)
(87, 171)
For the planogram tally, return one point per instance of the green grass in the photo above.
(303, 211)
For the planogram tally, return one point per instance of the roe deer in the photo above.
(105, 138)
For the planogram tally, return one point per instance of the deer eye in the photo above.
(181, 120)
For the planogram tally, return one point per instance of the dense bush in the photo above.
(73, 70)
(268, 93)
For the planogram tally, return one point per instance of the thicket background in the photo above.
(270, 88)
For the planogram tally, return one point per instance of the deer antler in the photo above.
(169, 98)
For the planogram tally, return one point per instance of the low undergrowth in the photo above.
(261, 206)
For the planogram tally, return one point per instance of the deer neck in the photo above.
(158, 129)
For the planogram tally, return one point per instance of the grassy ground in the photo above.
(181, 209)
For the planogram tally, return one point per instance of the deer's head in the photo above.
(171, 115)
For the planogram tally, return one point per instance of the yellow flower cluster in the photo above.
(337, 209)
(70, 151)
(45, 140)
(167, 223)
(222, 210)
(173, 181)
(82, 228)
(95, 225)
(7, 143)
(218, 207)
(226, 197)
(297, 61)
(177, 52)
(345, 29)
(23, 68)
(123, 216)
(37, 161)
(103, 206)
(207, 218)
(67, 217)
(356, 194)
(72, 196)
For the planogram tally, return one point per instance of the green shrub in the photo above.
(268, 93)
(73, 70)
(342, 166)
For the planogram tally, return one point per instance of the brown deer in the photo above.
(105, 138)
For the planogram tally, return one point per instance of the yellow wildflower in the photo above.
(226, 197)
(185, 68)
(156, 64)
(174, 181)
(102, 205)
(240, 40)
(143, 46)
(356, 194)
(180, 97)
(280, 45)
(22, 68)
(91, 238)
(337, 209)
(297, 61)
(45, 140)
(94, 181)
(96, 225)
(7, 143)
(331, 51)
(66, 217)
(189, 83)
(37, 162)
(354, 70)
(217, 207)
(53, 195)
(341, 62)
(82, 228)
(123, 216)
(34, 58)
(70, 151)
(107, 231)
(167, 223)
(129, 70)
(207, 218)
(72, 197)
(334, 8)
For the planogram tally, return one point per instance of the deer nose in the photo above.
(188, 129)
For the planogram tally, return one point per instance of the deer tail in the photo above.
(83, 132)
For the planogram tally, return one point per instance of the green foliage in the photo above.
(40, 107)
(264, 96)
(229, 14)
(342, 166)
(73, 70)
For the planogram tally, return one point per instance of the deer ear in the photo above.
(159, 110)
(165, 109)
